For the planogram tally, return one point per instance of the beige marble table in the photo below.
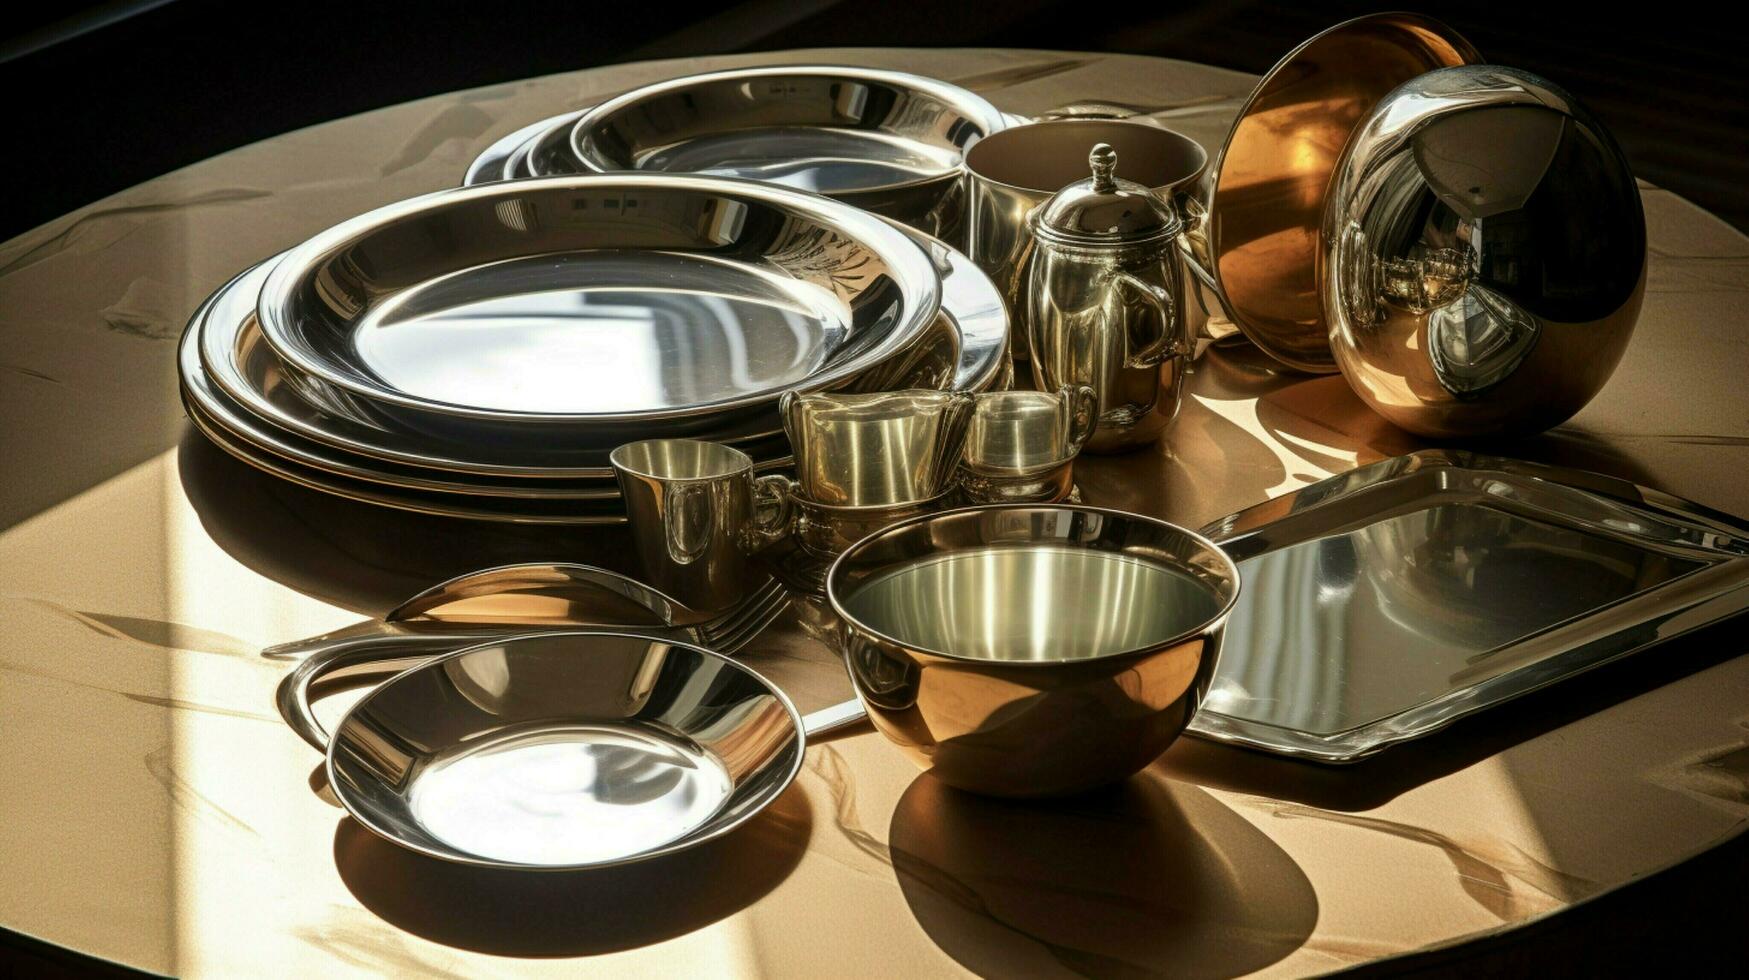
(157, 813)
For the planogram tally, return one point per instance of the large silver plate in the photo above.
(284, 454)
(597, 303)
(1386, 603)
(239, 383)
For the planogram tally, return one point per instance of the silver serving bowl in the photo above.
(1032, 650)
(1483, 255)
(598, 305)
(885, 141)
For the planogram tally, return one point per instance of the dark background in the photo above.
(102, 96)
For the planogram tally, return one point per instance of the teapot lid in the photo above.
(1104, 209)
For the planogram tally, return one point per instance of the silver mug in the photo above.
(698, 515)
(1021, 445)
(1011, 172)
(877, 449)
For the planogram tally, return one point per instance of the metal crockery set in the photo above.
(769, 319)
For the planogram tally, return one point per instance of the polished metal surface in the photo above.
(547, 153)
(888, 142)
(971, 301)
(1032, 651)
(533, 593)
(1050, 485)
(493, 603)
(698, 515)
(1021, 445)
(238, 383)
(503, 159)
(1445, 583)
(1268, 184)
(564, 751)
(244, 436)
(824, 532)
(1105, 302)
(597, 304)
(164, 873)
(234, 360)
(876, 449)
(477, 507)
(1013, 172)
(1014, 433)
(1483, 255)
(1104, 209)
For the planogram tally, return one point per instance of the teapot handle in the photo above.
(1149, 351)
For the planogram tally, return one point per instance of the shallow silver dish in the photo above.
(568, 751)
(886, 141)
(1388, 602)
(597, 304)
(239, 383)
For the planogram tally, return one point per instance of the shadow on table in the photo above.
(555, 914)
(357, 555)
(1150, 877)
(1304, 413)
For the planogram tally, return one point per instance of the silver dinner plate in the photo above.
(317, 425)
(233, 429)
(886, 141)
(239, 383)
(595, 307)
(1386, 603)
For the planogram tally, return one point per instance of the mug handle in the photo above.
(1083, 404)
(773, 511)
(1153, 350)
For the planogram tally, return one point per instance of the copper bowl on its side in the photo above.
(1026, 650)
(1269, 181)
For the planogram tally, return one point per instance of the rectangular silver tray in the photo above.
(1386, 603)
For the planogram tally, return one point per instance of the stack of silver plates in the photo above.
(478, 352)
